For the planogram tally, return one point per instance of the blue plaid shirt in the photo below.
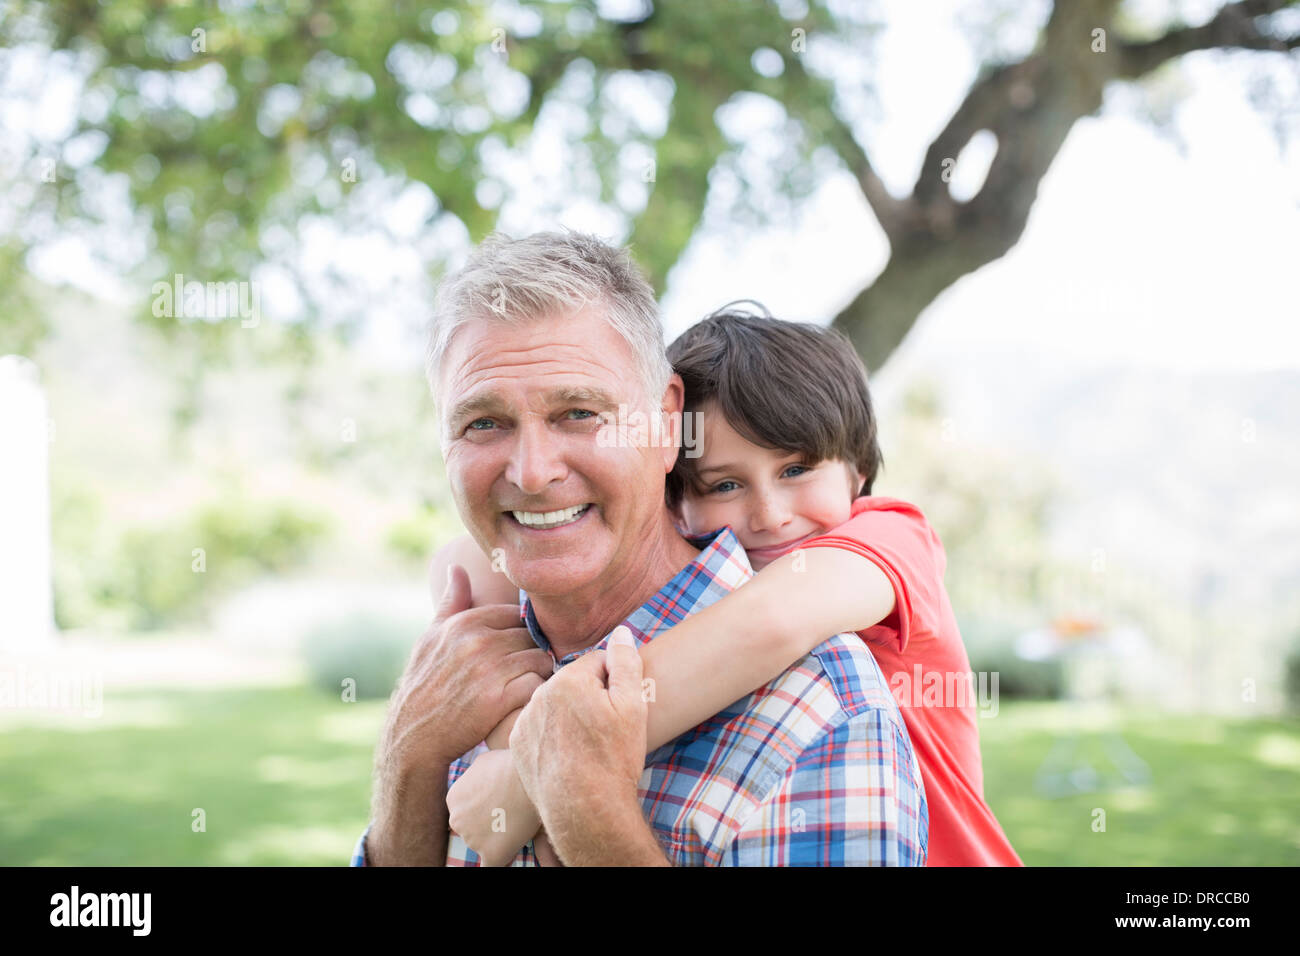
(813, 769)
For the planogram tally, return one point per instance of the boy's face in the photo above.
(770, 498)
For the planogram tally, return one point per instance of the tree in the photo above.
(232, 125)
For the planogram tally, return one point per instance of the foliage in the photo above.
(232, 129)
(151, 576)
(411, 538)
(220, 137)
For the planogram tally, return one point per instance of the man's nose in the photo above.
(537, 458)
(770, 512)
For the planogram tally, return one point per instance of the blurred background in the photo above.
(1063, 237)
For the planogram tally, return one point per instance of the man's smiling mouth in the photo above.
(546, 520)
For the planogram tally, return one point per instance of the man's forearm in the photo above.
(410, 827)
(612, 833)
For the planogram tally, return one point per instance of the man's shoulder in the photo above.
(818, 729)
(847, 666)
(835, 683)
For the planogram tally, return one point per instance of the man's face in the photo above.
(519, 409)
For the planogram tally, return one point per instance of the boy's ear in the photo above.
(856, 490)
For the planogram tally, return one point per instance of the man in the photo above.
(536, 343)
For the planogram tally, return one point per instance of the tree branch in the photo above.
(816, 109)
(1235, 26)
(1030, 106)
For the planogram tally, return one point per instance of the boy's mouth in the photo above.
(776, 550)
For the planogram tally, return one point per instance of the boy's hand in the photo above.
(488, 807)
(579, 747)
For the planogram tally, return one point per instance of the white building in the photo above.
(26, 592)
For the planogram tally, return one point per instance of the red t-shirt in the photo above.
(920, 652)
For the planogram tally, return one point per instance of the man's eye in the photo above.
(583, 412)
(722, 487)
(481, 424)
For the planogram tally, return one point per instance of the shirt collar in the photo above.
(719, 568)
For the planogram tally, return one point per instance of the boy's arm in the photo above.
(499, 739)
(490, 809)
(486, 586)
(493, 783)
(738, 644)
(733, 647)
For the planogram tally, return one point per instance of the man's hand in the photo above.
(488, 807)
(546, 855)
(472, 667)
(579, 748)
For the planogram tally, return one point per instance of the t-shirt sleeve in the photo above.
(894, 536)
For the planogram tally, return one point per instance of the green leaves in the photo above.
(230, 126)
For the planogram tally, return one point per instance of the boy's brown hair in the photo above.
(791, 386)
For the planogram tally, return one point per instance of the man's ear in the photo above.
(670, 411)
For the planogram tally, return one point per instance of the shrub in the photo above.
(991, 649)
(368, 648)
(1020, 679)
(1291, 679)
(411, 538)
(148, 577)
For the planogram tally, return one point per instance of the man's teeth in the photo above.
(550, 519)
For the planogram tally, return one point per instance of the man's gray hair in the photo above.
(521, 280)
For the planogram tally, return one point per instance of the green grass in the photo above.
(1222, 792)
(283, 778)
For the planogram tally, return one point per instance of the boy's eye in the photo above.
(722, 487)
(793, 470)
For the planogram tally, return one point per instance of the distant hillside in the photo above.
(1189, 482)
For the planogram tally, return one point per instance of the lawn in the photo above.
(282, 777)
(1223, 792)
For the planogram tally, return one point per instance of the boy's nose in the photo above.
(770, 514)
